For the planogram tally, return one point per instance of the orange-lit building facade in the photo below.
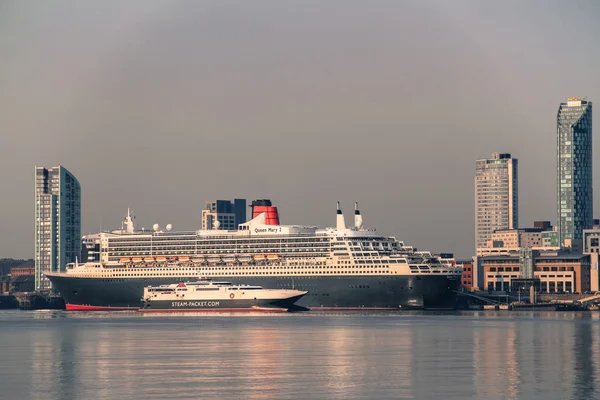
(20, 271)
(466, 280)
(557, 273)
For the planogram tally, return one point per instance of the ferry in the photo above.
(205, 295)
(342, 267)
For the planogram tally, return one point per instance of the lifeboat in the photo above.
(125, 260)
(137, 259)
(273, 257)
(244, 258)
(149, 259)
(184, 258)
(214, 259)
(259, 257)
(161, 259)
(229, 259)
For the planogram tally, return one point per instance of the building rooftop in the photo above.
(571, 256)
(520, 230)
(23, 278)
(515, 257)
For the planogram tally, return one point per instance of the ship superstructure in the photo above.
(333, 264)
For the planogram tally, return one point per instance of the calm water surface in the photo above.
(463, 355)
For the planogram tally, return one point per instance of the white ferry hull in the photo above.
(222, 305)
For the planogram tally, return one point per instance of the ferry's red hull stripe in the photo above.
(213, 310)
(77, 307)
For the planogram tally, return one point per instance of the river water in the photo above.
(458, 355)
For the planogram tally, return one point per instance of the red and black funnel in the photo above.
(265, 206)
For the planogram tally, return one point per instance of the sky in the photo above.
(162, 105)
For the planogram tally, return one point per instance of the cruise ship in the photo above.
(341, 267)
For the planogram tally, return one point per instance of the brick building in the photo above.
(556, 271)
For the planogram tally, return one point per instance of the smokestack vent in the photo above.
(340, 223)
(358, 222)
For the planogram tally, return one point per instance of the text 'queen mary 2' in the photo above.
(341, 267)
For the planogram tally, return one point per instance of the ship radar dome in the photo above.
(169, 227)
(217, 224)
(155, 227)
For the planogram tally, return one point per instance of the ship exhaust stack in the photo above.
(129, 222)
(265, 206)
(358, 222)
(340, 223)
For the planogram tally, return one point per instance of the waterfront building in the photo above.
(15, 272)
(591, 246)
(466, 279)
(496, 196)
(510, 241)
(557, 271)
(550, 238)
(229, 214)
(22, 283)
(57, 221)
(512, 238)
(5, 284)
(574, 167)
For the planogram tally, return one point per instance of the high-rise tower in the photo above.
(496, 196)
(57, 221)
(574, 167)
(224, 214)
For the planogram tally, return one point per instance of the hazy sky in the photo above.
(161, 105)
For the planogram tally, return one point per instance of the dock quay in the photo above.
(523, 302)
(36, 301)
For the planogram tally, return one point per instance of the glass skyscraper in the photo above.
(496, 196)
(574, 151)
(57, 221)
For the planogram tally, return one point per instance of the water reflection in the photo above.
(584, 342)
(464, 355)
(530, 356)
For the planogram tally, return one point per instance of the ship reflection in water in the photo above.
(325, 355)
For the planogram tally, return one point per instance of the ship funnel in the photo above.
(340, 223)
(265, 206)
(358, 222)
(129, 222)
